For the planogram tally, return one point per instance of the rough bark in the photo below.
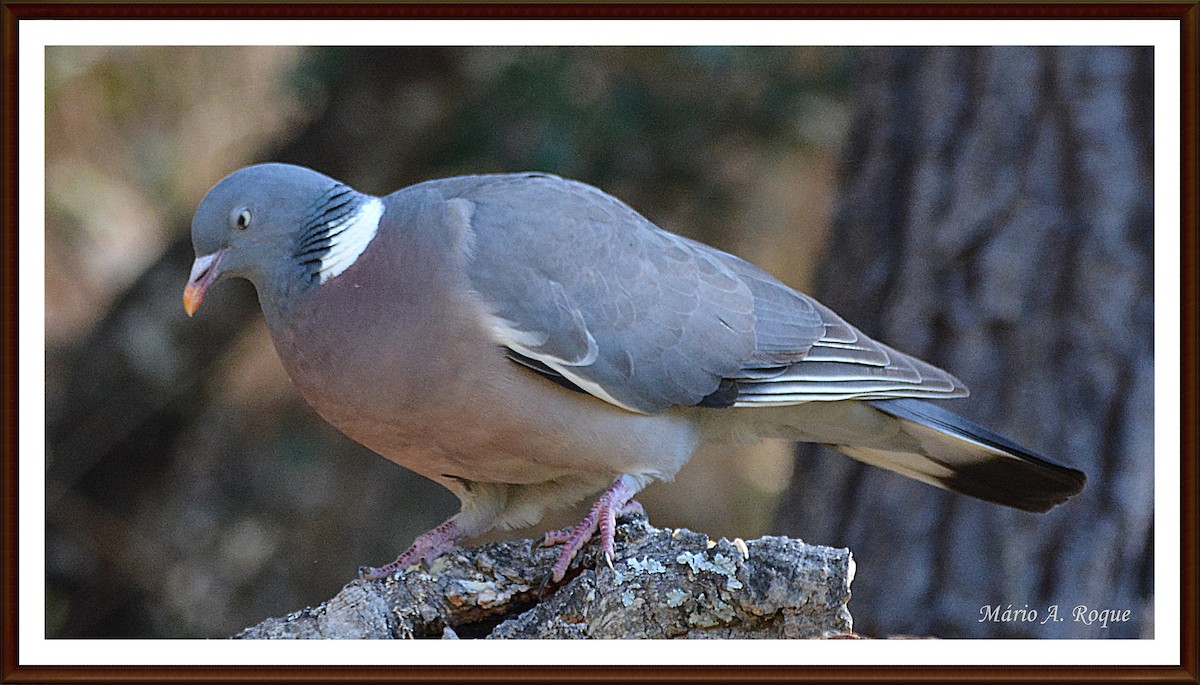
(664, 584)
(996, 219)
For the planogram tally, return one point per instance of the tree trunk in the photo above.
(996, 219)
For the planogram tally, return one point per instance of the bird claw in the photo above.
(376, 572)
(616, 500)
(425, 548)
(543, 586)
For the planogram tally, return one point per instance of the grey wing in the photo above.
(581, 288)
(841, 363)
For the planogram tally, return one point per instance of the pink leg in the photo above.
(426, 547)
(615, 501)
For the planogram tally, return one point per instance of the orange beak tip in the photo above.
(193, 295)
(191, 300)
(204, 274)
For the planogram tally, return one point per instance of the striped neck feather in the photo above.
(341, 225)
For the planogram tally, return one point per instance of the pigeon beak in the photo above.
(204, 274)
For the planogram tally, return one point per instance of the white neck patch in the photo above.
(350, 237)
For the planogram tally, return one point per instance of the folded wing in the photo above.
(589, 293)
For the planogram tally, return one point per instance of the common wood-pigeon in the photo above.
(528, 341)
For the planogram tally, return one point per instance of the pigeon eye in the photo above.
(242, 221)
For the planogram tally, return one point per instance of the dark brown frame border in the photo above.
(1188, 669)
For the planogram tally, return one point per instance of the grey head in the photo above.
(283, 227)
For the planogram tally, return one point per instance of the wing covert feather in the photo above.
(591, 291)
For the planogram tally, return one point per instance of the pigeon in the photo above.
(528, 341)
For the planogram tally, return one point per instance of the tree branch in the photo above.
(665, 584)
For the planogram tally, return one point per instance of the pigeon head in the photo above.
(282, 227)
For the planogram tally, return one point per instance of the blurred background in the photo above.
(986, 209)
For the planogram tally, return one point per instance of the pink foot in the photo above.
(616, 501)
(426, 547)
